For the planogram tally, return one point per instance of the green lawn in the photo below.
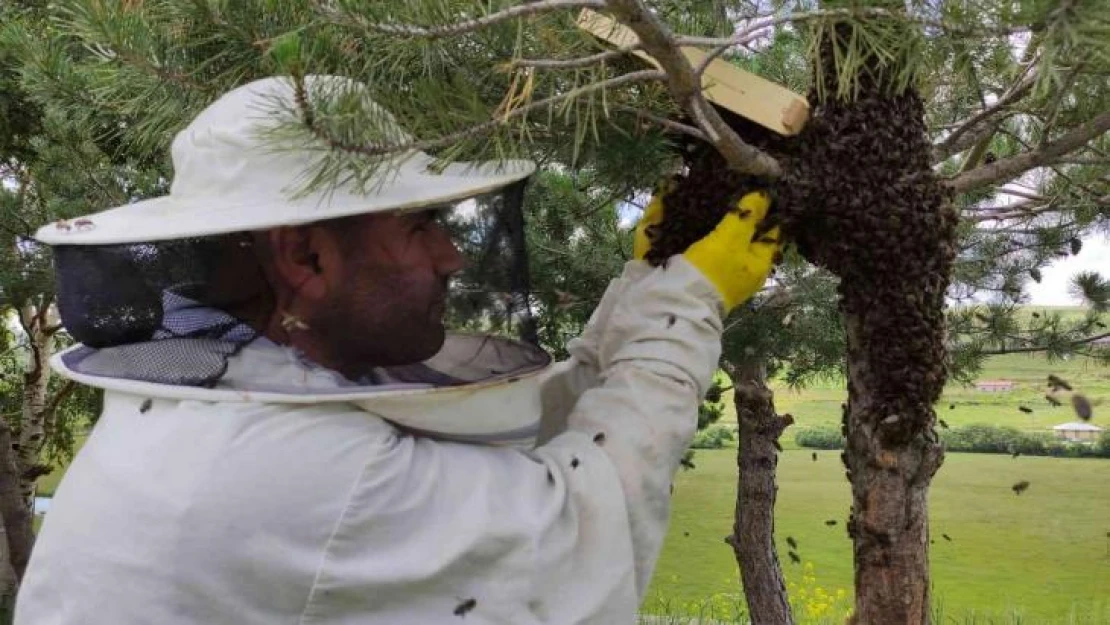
(1043, 552)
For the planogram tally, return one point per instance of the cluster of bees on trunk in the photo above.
(858, 198)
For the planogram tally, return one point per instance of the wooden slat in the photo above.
(764, 102)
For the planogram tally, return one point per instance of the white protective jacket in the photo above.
(231, 506)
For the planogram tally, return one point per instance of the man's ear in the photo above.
(295, 259)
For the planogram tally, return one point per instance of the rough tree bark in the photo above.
(39, 323)
(753, 537)
(15, 516)
(19, 451)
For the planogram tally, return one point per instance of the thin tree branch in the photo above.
(1007, 168)
(1019, 214)
(1040, 348)
(685, 87)
(662, 121)
(448, 30)
(971, 131)
(585, 61)
(1036, 197)
(308, 118)
(67, 389)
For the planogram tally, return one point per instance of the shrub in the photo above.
(978, 438)
(820, 437)
(992, 439)
(713, 437)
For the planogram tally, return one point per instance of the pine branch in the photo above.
(128, 57)
(1046, 154)
(662, 121)
(585, 61)
(448, 30)
(685, 87)
(1041, 348)
(1004, 215)
(309, 120)
(973, 130)
(1036, 197)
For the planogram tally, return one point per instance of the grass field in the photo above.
(1043, 552)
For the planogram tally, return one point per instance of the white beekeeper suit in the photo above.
(285, 494)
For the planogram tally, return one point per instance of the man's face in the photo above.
(387, 303)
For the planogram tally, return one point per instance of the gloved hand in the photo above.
(653, 215)
(727, 256)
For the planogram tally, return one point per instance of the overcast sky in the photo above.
(1055, 278)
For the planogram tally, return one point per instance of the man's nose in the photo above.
(449, 260)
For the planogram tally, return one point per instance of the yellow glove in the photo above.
(729, 258)
(653, 215)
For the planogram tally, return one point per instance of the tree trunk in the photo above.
(16, 517)
(890, 485)
(753, 538)
(36, 382)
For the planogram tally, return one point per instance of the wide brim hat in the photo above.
(234, 172)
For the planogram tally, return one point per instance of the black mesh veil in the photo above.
(164, 311)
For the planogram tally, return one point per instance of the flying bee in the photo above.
(793, 543)
(465, 605)
(145, 406)
(1052, 400)
(1020, 487)
(794, 557)
(1082, 406)
(1057, 383)
(830, 522)
(1025, 409)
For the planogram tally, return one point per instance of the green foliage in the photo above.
(714, 437)
(819, 437)
(978, 438)
(992, 439)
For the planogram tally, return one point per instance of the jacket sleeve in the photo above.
(569, 379)
(566, 533)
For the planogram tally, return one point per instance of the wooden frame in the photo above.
(764, 102)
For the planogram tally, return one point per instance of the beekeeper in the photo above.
(289, 436)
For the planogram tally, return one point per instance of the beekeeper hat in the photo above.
(230, 177)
